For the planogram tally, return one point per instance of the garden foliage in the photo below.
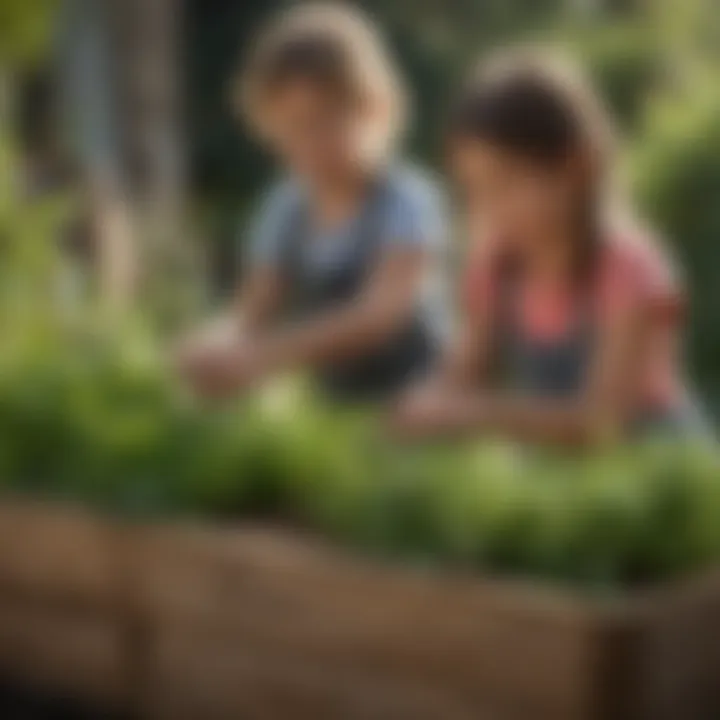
(110, 426)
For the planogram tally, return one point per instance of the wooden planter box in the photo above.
(255, 623)
(189, 621)
(62, 629)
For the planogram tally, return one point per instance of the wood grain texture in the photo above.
(186, 620)
(57, 550)
(77, 655)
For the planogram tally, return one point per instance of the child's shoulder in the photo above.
(412, 184)
(413, 204)
(276, 211)
(639, 254)
(283, 194)
(636, 266)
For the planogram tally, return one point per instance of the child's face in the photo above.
(511, 196)
(317, 134)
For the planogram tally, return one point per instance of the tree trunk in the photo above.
(123, 89)
(148, 34)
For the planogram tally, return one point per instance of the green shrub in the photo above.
(109, 425)
(677, 172)
(628, 65)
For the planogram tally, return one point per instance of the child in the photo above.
(572, 319)
(347, 244)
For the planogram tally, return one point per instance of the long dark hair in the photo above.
(535, 104)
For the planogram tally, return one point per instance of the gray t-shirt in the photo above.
(411, 214)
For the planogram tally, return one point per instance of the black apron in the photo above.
(557, 368)
(381, 371)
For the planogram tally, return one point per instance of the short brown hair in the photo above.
(333, 45)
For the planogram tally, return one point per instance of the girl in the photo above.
(347, 243)
(572, 319)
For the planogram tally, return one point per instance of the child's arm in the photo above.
(459, 371)
(465, 363)
(412, 230)
(258, 299)
(256, 304)
(347, 330)
(339, 333)
(639, 297)
(597, 414)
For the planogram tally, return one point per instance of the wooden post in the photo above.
(148, 36)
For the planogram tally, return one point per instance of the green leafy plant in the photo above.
(110, 426)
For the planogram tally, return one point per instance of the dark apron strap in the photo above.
(380, 371)
(366, 237)
(507, 337)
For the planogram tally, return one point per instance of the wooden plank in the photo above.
(53, 549)
(679, 653)
(218, 622)
(72, 654)
(302, 604)
(550, 680)
(201, 676)
(196, 571)
(247, 617)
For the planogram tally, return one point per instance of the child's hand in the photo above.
(218, 372)
(435, 411)
(420, 413)
(220, 334)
